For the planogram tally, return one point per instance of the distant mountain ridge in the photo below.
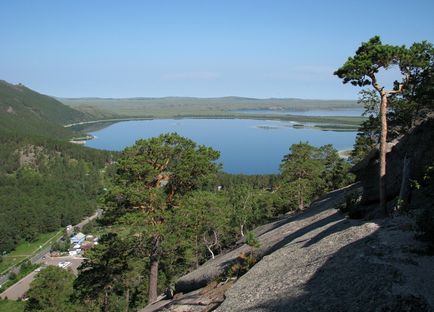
(222, 99)
(103, 108)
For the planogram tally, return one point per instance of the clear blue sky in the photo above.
(201, 48)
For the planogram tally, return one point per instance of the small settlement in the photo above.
(79, 243)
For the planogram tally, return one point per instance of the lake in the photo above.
(247, 146)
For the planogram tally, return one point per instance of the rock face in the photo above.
(417, 146)
(271, 236)
(344, 265)
(319, 260)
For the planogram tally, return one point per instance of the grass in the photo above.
(27, 249)
(12, 306)
(9, 262)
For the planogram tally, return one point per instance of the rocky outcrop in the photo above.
(416, 146)
(272, 237)
(319, 260)
(346, 265)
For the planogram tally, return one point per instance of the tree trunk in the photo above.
(153, 272)
(153, 280)
(127, 299)
(405, 183)
(242, 230)
(106, 301)
(210, 251)
(300, 198)
(383, 151)
(196, 252)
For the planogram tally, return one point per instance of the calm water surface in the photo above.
(246, 146)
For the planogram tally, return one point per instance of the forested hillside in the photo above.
(25, 111)
(45, 181)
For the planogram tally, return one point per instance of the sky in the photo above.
(200, 48)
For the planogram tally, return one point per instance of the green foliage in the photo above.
(300, 171)
(201, 221)
(13, 277)
(243, 263)
(11, 306)
(47, 183)
(61, 246)
(25, 111)
(50, 291)
(370, 57)
(307, 172)
(151, 178)
(249, 207)
(252, 240)
(230, 181)
(104, 275)
(425, 219)
(410, 94)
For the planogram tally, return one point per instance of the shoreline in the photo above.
(324, 123)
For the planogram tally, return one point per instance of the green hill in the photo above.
(45, 181)
(24, 111)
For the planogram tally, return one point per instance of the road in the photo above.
(19, 289)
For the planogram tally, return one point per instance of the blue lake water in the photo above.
(246, 146)
(356, 112)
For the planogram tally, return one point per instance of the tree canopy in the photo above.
(150, 179)
(363, 68)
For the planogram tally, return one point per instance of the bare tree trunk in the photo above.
(153, 280)
(210, 251)
(127, 299)
(383, 151)
(300, 198)
(196, 252)
(211, 244)
(242, 230)
(153, 272)
(405, 183)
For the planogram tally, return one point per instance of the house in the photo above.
(78, 238)
(86, 245)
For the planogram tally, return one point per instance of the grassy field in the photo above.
(179, 107)
(11, 306)
(26, 250)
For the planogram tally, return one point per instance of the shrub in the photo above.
(252, 240)
(243, 263)
(12, 276)
(352, 206)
